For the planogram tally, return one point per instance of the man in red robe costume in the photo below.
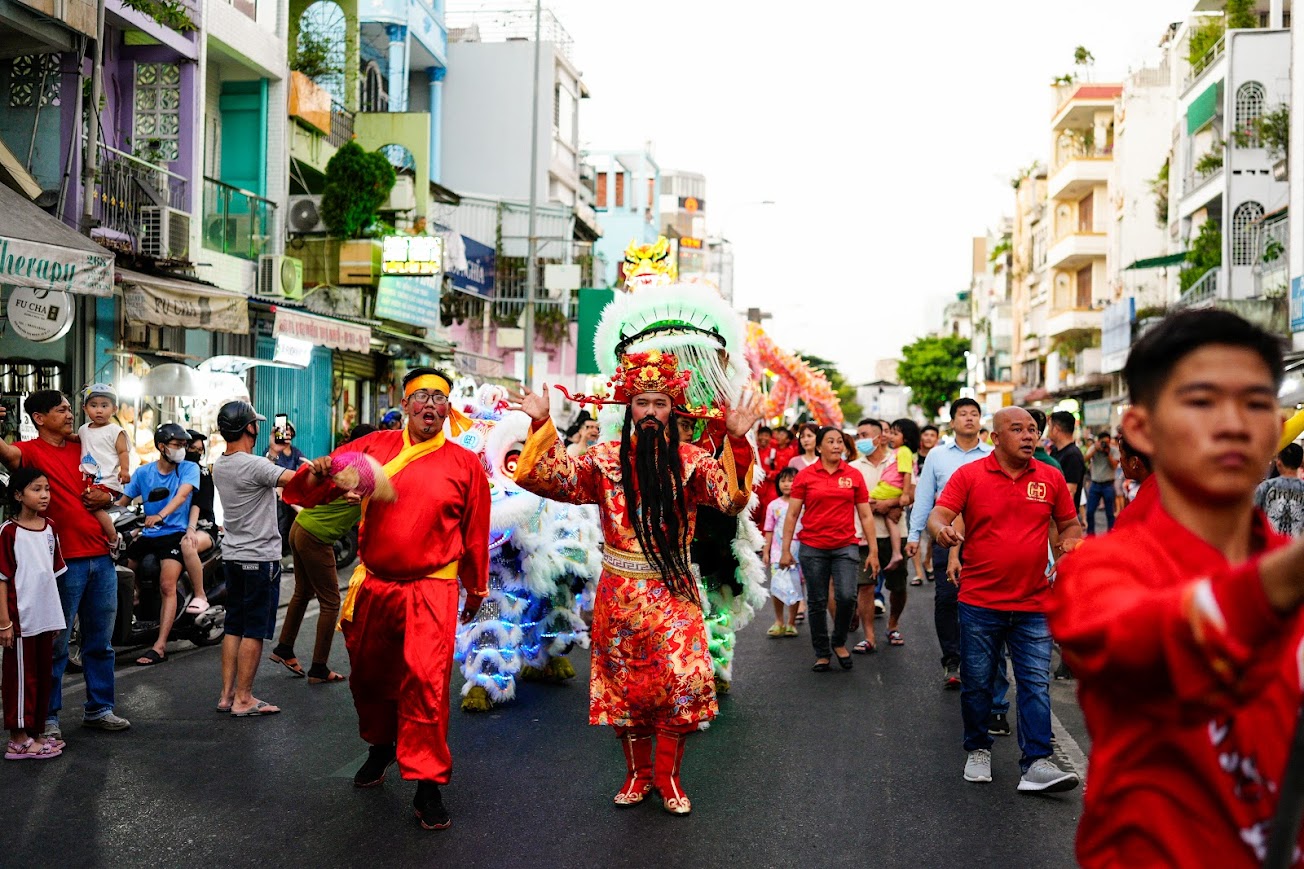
(401, 613)
(651, 668)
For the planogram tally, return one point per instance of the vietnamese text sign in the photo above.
(411, 300)
(411, 255)
(162, 305)
(478, 276)
(322, 331)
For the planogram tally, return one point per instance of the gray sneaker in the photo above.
(1045, 777)
(52, 731)
(107, 721)
(979, 765)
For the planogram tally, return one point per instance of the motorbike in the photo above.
(139, 593)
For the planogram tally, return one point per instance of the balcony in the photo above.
(1209, 66)
(126, 186)
(1067, 320)
(1077, 249)
(1271, 271)
(236, 222)
(1077, 170)
(1203, 292)
(322, 124)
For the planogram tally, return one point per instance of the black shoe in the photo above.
(429, 806)
(1062, 672)
(998, 725)
(372, 773)
(951, 677)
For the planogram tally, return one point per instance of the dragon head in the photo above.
(648, 265)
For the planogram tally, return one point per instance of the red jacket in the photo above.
(1190, 688)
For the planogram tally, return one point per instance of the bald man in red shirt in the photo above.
(1184, 628)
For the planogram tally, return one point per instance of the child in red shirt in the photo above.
(1184, 629)
(30, 616)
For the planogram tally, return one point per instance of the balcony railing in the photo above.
(314, 105)
(1203, 291)
(341, 125)
(1207, 60)
(125, 184)
(508, 25)
(236, 222)
(1271, 272)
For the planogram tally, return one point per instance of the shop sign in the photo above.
(691, 204)
(411, 255)
(48, 267)
(293, 351)
(40, 315)
(690, 243)
(478, 276)
(411, 300)
(169, 305)
(473, 364)
(321, 331)
(1297, 304)
(1096, 414)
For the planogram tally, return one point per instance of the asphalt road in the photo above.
(859, 768)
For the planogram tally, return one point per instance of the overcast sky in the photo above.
(885, 134)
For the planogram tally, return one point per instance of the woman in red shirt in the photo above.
(828, 494)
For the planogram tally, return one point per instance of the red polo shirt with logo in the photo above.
(1006, 529)
(828, 519)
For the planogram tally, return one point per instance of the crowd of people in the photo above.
(1179, 615)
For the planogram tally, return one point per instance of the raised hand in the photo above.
(534, 404)
(740, 419)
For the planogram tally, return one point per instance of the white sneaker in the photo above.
(979, 765)
(1045, 777)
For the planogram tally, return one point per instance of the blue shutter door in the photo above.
(302, 395)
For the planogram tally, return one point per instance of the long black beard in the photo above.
(653, 483)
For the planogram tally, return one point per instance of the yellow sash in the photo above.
(406, 456)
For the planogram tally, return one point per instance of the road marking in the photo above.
(351, 768)
(1067, 748)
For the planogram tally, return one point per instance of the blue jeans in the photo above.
(817, 566)
(89, 590)
(1095, 493)
(1026, 634)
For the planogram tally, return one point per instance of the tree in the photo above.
(846, 393)
(1085, 60)
(357, 184)
(934, 369)
(1240, 14)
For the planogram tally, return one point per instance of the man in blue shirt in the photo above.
(167, 518)
(943, 461)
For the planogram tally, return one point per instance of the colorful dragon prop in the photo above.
(796, 379)
(542, 556)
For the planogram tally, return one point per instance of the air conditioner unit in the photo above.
(304, 215)
(164, 233)
(234, 229)
(280, 277)
(403, 196)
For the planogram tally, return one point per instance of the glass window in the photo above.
(1245, 227)
(1249, 108)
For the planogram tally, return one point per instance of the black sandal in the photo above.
(845, 663)
(821, 667)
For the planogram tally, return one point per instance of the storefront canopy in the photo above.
(322, 331)
(1159, 262)
(188, 304)
(39, 251)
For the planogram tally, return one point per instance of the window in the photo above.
(374, 98)
(34, 81)
(1250, 98)
(1245, 228)
(157, 123)
(1086, 211)
(556, 107)
(321, 45)
(1084, 288)
(620, 190)
(601, 193)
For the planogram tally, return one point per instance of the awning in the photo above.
(441, 194)
(1159, 262)
(437, 346)
(38, 251)
(1203, 109)
(189, 304)
(322, 331)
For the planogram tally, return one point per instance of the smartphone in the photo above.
(280, 423)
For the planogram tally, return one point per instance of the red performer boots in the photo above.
(638, 760)
(665, 774)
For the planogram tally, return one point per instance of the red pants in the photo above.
(401, 644)
(25, 682)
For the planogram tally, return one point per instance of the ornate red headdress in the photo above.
(650, 371)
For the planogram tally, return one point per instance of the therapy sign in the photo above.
(49, 267)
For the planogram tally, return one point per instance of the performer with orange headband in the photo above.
(651, 674)
(400, 615)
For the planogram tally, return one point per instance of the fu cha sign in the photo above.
(39, 315)
(412, 255)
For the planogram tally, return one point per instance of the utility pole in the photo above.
(532, 253)
(91, 154)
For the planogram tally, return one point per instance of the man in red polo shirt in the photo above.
(1007, 501)
(1184, 629)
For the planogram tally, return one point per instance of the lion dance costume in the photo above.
(651, 676)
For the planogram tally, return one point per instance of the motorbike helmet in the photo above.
(169, 431)
(234, 417)
(196, 435)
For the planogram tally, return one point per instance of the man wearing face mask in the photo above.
(201, 532)
(166, 520)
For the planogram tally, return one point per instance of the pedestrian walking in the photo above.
(1282, 498)
(401, 612)
(807, 443)
(1184, 629)
(1065, 450)
(1102, 461)
(929, 436)
(251, 556)
(872, 466)
(31, 615)
(313, 536)
(943, 461)
(88, 590)
(897, 480)
(785, 607)
(827, 497)
(1006, 502)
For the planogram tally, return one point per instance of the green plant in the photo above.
(1273, 249)
(314, 54)
(1159, 187)
(1151, 312)
(1064, 80)
(934, 369)
(1211, 162)
(1025, 173)
(1202, 254)
(1240, 14)
(169, 13)
(357, 184)
(1273, 130)
(1203, 38)
(1085, 60)
(1000, 250)
(550, 324)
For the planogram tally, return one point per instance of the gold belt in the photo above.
(628, 565)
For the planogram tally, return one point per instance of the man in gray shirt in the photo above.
(251, 556)
(1282, 498)
(1102, 458)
